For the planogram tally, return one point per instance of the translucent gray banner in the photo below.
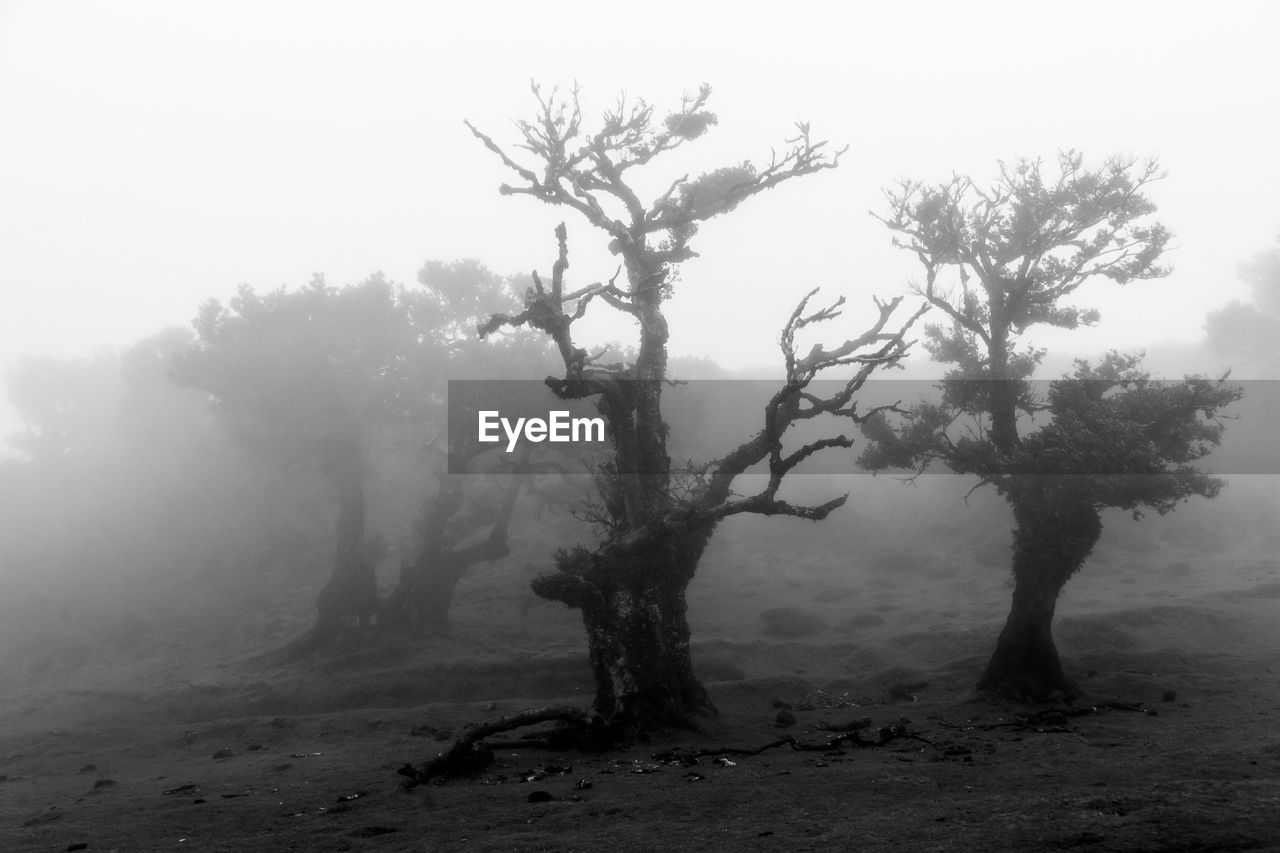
(496, 423)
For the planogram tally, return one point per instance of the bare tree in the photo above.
(654, 525)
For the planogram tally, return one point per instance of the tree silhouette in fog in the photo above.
(1251, 330)
(333, 377)
(123, 474)
(310, 376)
(997, 261)
(465, 520)
(654, 521)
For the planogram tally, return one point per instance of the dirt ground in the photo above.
(170, 731)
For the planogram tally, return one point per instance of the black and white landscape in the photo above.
(572, 427)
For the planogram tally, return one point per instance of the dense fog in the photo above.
(872, 447)
(136, 509)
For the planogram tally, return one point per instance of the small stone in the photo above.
(784, 718)
(223, 753)
(540, 797)
(1169, 695)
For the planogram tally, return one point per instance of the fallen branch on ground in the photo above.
(468, 755)
(884, 735)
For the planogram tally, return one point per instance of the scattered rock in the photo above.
(104, 783)
(189, 788)
(540, 773)
(784, 718)
(223, 753)
(253, 747)
(88, 768)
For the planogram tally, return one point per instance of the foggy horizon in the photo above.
(157, 156)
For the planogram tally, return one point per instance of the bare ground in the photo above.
(167, 731)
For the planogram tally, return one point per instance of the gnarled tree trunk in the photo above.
(632, 599)
(1051, 542)
(424, 595)
(349, 599)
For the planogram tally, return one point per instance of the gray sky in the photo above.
(154, 155)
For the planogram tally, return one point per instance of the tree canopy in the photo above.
(997, 262)
(1251, 330)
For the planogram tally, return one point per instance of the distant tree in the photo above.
(1016, 251)
(312, 375)
(463, 523)
(655, 522)
(466, 520)
(1251, 330)
(123, 474)
(66, 405)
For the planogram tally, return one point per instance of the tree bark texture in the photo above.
(634, 610)
(1051, 542)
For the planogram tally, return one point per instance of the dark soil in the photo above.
(172, 731)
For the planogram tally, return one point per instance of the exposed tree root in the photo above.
(468, 754)
(1053, 719)
(882, 736)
